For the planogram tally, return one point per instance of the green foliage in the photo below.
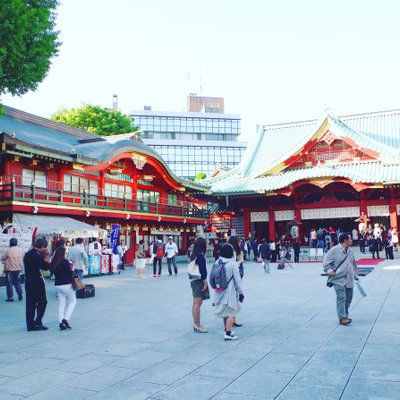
(95, 119)
(27, 43)
(200, 176)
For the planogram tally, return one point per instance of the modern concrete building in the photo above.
(193, 141)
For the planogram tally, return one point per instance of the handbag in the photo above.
(77, 284)
(361, 289)
(193, 270)
(330, 284)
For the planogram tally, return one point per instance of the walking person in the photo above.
(361, 242)
(395, 238)
(13, 263)
(296, 250)
(78, 256)
(140, 261)
(36, 260)
(265, 253)
(227, 302)
(340, 265)
(63, 272)
(171, 250)
(158, 251)
(235, 242)
(374, 247)
(199, 286)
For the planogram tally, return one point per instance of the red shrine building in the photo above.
(311, 174)
(50, 169)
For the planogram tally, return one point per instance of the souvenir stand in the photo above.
(52, 228)
(20, 232)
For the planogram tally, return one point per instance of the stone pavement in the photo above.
(134, 340)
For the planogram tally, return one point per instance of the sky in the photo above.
(273, 61)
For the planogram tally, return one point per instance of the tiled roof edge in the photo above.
(47, 123)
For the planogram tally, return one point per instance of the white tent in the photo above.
(56, 225)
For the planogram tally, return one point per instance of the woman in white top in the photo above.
(140, 259)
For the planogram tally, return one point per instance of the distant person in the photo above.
(36, 260)
(340, 265)
(374, 247)
(13, 259)
(78, 256)
(63, 272)
(361, 242)
(296, 250)
(199, 286)
(158, 251)
(140, 259)
(171, 251)
(265, 254)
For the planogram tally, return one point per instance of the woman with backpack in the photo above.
(199, 286)
(228, 293)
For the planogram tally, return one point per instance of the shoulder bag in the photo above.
(330, 284)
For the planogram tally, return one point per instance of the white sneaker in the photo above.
(230, 336)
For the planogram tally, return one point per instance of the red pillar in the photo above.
(363, 204)
(102, 183)
(392, 209)
(246, 218)
(184, 242)
(272, 225)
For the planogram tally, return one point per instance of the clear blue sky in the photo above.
(272, 60)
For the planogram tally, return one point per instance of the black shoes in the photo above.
(20, 297)
(38, 328)
(62, 327)
(65, 323)
(10, 300)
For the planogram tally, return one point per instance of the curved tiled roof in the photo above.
(43, 134)
(378, 133)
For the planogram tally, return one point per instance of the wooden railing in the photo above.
(10, 190)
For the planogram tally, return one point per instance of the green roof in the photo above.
(274, 144)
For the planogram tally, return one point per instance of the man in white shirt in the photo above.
(78, 255)
(171, 250)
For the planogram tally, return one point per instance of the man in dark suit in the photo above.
(35, 260)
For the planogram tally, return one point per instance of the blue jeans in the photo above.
(13, 280)
(172, 261)
(344, 296)
(266, 266)
(79, 272)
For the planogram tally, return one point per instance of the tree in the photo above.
(200, 176)
(28, 41)
(95, 119)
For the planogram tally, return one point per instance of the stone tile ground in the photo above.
(134, 340)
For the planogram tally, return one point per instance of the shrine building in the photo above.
(319, 173)
(51, 169)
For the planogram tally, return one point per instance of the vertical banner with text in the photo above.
(115, 231)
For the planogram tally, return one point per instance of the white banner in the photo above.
(259, 216)
(284, 215)
(328, 213)
(378, 211)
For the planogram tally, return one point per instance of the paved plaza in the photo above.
(134, 340)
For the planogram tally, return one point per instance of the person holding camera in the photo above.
(227, 302)
(340, 265)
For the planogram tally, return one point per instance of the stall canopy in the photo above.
(63, 226)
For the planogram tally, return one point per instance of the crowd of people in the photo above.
(375, 238)
(66, 263)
